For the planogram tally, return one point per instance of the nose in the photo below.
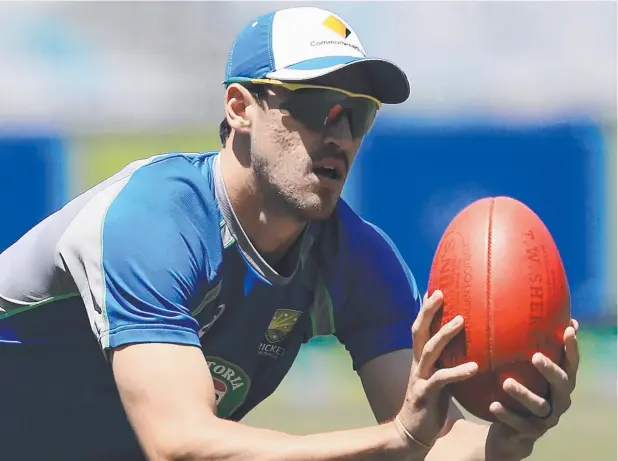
(339, 132)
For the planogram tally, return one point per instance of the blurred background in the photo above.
(508, 98)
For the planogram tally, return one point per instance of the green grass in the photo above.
(97, 157)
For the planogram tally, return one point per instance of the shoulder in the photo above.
(168, 201)
(360, 260)
(174, 189)
(161, 206)
(366, 247)
(171, 179)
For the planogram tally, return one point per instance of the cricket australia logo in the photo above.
(231, 385)
(280, 327)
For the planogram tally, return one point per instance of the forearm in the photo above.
(464, 442)
(228, 441)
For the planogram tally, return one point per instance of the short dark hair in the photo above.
(258, 91)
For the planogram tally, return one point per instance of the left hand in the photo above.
(514, 435)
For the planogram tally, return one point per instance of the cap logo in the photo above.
(335, 24)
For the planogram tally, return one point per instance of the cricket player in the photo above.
(146, 317)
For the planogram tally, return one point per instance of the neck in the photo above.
(269, 232)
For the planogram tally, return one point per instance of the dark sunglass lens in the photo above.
(363, 113)
(315, 108)
(311, 106)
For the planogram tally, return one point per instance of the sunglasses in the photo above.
(317, 106)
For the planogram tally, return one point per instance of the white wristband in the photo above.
(410, 436)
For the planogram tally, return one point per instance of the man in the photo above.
(150, 314)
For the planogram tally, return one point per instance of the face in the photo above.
(300, 170)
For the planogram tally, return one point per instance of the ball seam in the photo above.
(489, 303)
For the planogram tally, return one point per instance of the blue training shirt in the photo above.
(155, 254)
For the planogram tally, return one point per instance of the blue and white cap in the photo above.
(305, 43)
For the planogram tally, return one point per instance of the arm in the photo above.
(381, 346)
(168, 394)
(385, 380)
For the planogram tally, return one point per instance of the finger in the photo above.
(519, 423)
(571, 362)
(554, 375)
(559, 384)
(421, 328)
(538, 406)
(434, 347)
(446, 376)
(575, 324)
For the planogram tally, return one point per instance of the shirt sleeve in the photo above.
(383, 299)
(138, 254)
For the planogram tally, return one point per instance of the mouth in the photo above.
(327, 172)
(330, 168)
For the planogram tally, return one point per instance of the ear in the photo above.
(239, 108)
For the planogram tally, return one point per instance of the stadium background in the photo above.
(507, 98)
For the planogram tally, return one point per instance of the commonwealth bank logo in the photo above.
(282, 324)
(336, 25)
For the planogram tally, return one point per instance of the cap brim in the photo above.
(388, 81)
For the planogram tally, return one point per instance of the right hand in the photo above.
(425, 408)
